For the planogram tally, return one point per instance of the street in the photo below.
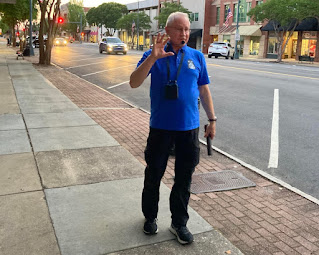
(268, 114)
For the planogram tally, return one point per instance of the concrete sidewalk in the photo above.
(67, 186)
(75, 197)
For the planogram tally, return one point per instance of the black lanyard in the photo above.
(179, 67)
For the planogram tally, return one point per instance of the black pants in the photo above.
(156, 155)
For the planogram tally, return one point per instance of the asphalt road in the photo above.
(276, 132)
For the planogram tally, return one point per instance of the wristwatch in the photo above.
(213, 119)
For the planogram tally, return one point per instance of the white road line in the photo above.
(118, 85)
(84, 65)
(274, 146)
(106, 70)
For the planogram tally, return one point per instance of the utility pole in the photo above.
(138, 14)
(30, 30)
(237, 35)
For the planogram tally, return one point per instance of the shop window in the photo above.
(217, 15)
(226, 38)
(254, 45)
(272, 46)
(308, 46)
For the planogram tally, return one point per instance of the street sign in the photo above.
(7, 1)
(237, 36)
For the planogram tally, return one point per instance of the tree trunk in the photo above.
(280, 38)
(13, 32)
(299, 44)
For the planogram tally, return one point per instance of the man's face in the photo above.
(178, 30)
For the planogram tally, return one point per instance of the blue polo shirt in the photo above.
(181, 114)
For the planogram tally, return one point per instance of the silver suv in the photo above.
(112, 45)
(223, 49)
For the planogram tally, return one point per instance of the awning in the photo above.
(309, 24)
(253, 30)
(196, 32)
(227, 30)
(271, 24)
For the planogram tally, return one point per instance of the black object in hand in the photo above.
(209, 143)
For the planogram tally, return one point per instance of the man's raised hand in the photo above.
(158, 48)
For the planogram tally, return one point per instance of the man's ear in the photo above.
(166, 30)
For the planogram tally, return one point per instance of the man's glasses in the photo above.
(181, 30)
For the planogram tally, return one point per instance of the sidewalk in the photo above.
(72, 169)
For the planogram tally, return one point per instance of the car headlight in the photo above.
(57, 42)
(125, 46)
(64, 42)
(110, 48)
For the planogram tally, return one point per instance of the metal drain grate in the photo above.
(219, 181)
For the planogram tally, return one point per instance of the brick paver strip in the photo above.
(266, 219)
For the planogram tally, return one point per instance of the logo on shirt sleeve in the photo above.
(190, 64)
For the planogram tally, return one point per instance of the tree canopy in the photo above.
(144, 21)
(75, 9)
(107, 14)
(12, 14)
(167, 10)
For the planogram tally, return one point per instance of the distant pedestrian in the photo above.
(178, 77)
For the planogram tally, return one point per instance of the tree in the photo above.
(167, 10)
(284, 16)
(144, 23)
(108, 14)
(75, 9)
(50, 12)
(93, 18)
(14, 14)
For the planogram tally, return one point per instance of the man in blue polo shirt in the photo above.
(178, 77)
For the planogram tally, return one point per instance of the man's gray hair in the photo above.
(173, 15)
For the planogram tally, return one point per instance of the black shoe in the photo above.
(150, 227)
(182, 233)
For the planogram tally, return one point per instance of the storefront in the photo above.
(308, 45)
(303, 41)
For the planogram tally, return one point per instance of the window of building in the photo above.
(308, 46)
(218, 15)
(226, 38)
(272, 45)
(226, 11)
(259, 2)
(254, 45)
(244, 7)
(194, 17)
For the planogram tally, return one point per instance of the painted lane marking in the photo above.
(274, 145)
(118, 84)
(84, 65)
(260, 71)
(106, 70)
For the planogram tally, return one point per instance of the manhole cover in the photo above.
(219, 181)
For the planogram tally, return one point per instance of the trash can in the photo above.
(140, 47)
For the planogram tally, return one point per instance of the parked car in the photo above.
(112, 45)
(60, 42)
(221, 49)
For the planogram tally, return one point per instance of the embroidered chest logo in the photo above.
(190, 64)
